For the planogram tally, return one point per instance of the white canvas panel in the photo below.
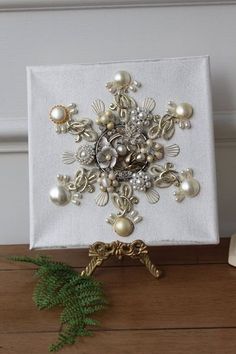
(193, 221)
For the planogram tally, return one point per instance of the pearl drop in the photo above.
(123, 226)
(143, 150)
(106, 182)
(104, 119)
(59, 195)
(190, 187)
(122, 78)
(109, 115)
(108, 157)
(122, 150)
(115, 183)
(132, 88)
(83, 154)
(150, 158)
(142, 115)
(110, 126)
(112, 176)
(136, 83)
(140, 157)
(58, 114)
(184, 110)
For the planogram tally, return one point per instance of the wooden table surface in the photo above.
(190, 310)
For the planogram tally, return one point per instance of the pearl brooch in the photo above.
(141, 181)
(142, 116)
(84, 155)
(62, 117)
(60, 114)
(188, 186)
(182, 112)
(122, 81)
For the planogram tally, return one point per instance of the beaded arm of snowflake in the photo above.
(124, 156)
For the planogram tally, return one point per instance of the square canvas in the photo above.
(166, 222)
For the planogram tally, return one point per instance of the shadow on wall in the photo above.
(226, 174)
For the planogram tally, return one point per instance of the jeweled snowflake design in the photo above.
(122, 155)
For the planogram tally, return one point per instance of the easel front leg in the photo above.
(93, 264)
(145, 259)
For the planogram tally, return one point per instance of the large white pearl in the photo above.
(59, 195)
(184, 110)
(122, 78)
(121, 149)
(58, 114)
(106, 182)
(190, 187)
(123, 226)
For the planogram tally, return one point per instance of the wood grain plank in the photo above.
(160, 255)
(211, 341)
(193, 296)
(17, 309)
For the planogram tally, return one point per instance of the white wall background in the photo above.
(42, 32)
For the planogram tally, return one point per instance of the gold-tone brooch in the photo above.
(122, 156)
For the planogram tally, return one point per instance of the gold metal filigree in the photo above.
(122, 105)
(124, 200)
(137, 249)
(164, 176)
(84, 181)
(82, 128)
(163, 127)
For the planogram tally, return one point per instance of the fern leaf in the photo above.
(78, 296)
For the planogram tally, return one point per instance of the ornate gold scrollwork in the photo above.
(137, 249)
(123, 103)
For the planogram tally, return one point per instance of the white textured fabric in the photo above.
(194, 221)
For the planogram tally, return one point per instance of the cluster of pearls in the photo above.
(182, 112)
(107, 182)
(150, 152)
(122, 81)
(107, 120)
(140, 117)
(141, 181)
(85, 154)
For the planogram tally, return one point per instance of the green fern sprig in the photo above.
(79, 296)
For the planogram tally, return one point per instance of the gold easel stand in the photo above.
(137, 249)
